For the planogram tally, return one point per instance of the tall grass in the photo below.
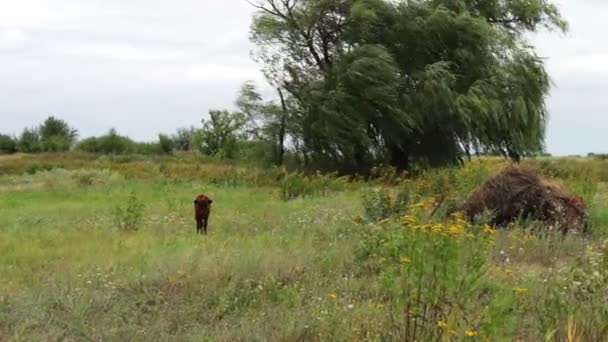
(289, 256)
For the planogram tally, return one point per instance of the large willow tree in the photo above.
(422, 82)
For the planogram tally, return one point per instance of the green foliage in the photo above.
(53, 135)
(165, 144)
(302, 271)
(380, 205)
(576, 292)
(29, 141)
(182, 139)
(297, 185)
(256, 152)
(220, 134)
(8, 144)
(128, 217)
(47, 177)
(410, 84)
(268, 122)
(433, 279)
(113, 143)
(35, 167)
(56, 135)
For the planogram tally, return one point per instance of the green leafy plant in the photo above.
(128, 217)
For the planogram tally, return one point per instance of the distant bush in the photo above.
(294, 185)
(182, 140)
(53, 135)
(146, 148)
(166, 145)
(111, 143)
(601, 156)
(29, 141)
(220, 134)
(7, 144)
(56, 135)
(34, 168)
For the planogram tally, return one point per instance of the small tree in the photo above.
(266, 121)
(7, 144)
(29, 141)
(220, 134)
(56, 135)
(182, 140)
(165, 143)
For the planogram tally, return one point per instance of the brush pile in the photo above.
(517, 192)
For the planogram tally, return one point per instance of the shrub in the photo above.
(165, 143)
(379, 204)
(576, 294)
(146, 148)
(428, 272)
(182, 140)
(29, 141)
(8, 144)
(294, 185)
(111, 143)
(220, 134)
(56, 135)
(55, 144)
(35, 167)
(128, 217)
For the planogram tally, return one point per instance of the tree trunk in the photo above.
(399, 158)
(281, 142)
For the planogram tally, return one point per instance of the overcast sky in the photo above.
(150, 66)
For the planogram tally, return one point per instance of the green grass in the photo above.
(277, 269)
(67, 271)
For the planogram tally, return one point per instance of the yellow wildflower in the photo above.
(385, 221)
(405, 260)
(418, 205)
(408, 219)
(471, 333)
(458, 215)
(332, 296)
(508, 271)
(520, 290)
(455, 229)
(442, 324)
(436, 228)
(488, 229)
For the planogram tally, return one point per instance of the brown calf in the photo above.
(202, 208)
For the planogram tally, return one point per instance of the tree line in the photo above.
(361, 83)
(218, 137)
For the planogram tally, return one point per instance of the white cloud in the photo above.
(150, 65)
(12, 38)
(119, 52)
(171, 75)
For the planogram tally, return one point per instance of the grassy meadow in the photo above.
(104, 249)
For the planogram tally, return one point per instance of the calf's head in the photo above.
(202, 203)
